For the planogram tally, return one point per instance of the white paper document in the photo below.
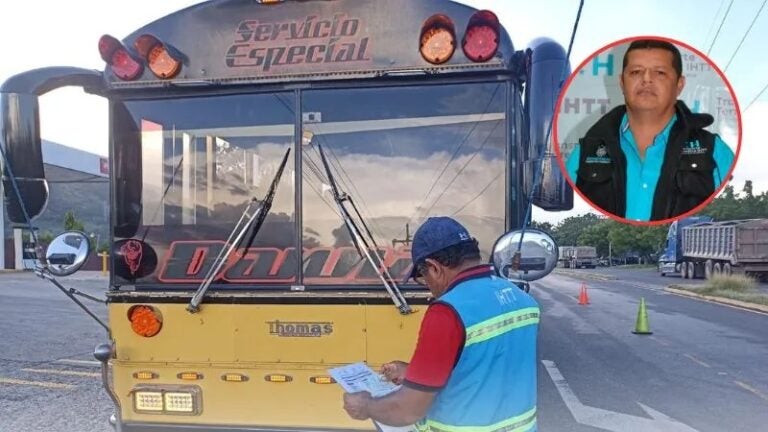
(359, 377)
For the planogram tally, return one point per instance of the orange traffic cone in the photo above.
(583, 297)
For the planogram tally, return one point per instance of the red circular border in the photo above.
(561, 162)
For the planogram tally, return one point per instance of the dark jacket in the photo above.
(686, 178)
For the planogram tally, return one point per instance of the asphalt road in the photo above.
(49, 379)
(703, 369)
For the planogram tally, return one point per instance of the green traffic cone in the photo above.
(641, 326)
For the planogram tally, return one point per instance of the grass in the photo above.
(735, 287)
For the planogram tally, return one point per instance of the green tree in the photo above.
(71, 223)
(596, 235)
(543, 226)
(569, 229)
(730, 205)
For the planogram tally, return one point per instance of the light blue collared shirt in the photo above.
(642, 175)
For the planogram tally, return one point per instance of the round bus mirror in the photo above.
(67, 253)
(529, 260)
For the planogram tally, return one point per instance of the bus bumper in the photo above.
(169, 427)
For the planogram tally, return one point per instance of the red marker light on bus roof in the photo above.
(158, 56)
(438, 39)
(123, 65)
(481, 40)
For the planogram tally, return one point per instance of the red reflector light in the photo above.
(438, 39)
(123, 65)
(145, 320)
(481, 40)
(158, 56)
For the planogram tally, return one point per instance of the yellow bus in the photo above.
(269, 161)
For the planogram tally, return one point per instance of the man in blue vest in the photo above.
(474, 366)
(650, 159)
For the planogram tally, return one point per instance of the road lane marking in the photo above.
(79, 362)
(35, 383)
(64, 372)
(752, 390)
(661, 342)
(611, 420)
(695, 360)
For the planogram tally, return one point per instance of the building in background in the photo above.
(77, 182)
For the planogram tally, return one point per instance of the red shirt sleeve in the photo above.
(441, 339)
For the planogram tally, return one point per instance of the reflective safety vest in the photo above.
(493, 386)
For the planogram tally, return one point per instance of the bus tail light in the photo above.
(123, 64)
(145, 320)
(481, 40)
(438, 39)
(159, 57)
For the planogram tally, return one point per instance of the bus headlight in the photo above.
(151, 401)
(167, 399)
(179, 402)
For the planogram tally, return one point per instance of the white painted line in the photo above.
(611, 420)
(35, 383)
(751, 389)
(695, 360)
(79, 362)
(64, 372)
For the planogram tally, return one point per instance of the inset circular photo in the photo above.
(648, 130)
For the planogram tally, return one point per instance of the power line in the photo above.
(714, 20)
(464, 167)
(455, 152)
(478, 195)
(720, 27)
(745, 35)
(757, 97)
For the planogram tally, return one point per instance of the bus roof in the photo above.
(243, 42)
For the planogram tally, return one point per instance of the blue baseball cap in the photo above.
(436, 234)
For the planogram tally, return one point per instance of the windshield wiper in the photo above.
(251, 220)
(361, 244)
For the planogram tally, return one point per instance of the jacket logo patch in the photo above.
(693, 148)
(600, 157)
(601, 151)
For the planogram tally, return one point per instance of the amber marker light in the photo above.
(438, 39)
(161, 61)
(145, 320)
(322, 379)
(278, 378)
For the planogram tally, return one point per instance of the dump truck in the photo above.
(700, 247)
(578, 256)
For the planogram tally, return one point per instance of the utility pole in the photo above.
(406, 241)
(610, 257)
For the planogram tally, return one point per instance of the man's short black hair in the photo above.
(677, 60)
(456, 255)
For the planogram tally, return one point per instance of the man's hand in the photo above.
(356, 405)
(394, 371)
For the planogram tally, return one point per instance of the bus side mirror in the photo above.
(67, 253)
(19, 124)
(529, 260)
(547, 68)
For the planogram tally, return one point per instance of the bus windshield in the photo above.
(186, 168)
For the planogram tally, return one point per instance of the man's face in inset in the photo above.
(649, 81)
